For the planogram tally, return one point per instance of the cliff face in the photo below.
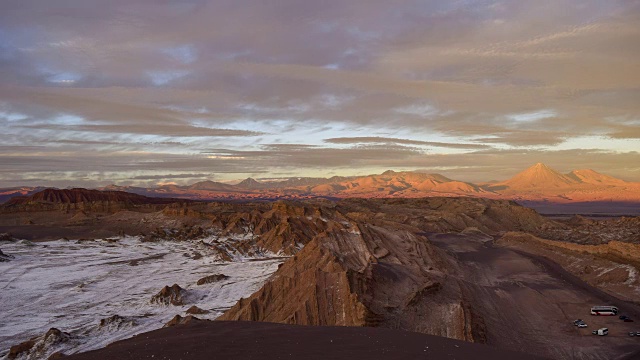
(82, 199)
(448, 214)
(314, 288)
(372, 265)
(351, 275)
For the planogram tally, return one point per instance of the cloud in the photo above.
(532, 116)
(285, 86)
(172, 176)
(169, 130)
(364, 140)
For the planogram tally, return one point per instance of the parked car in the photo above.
(623, 317)
(582, 325)
(601, 332)
(577, 321)
(633, 333)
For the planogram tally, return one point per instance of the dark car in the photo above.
(577, 322)
(623, 317)
(628, 320)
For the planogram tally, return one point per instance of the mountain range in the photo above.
(537, 183)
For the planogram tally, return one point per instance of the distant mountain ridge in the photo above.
(8, 193)
(86, 197)
(592, 177)
(536, 183)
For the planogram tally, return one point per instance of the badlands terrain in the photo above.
(83, 268)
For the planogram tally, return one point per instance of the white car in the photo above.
(601, 332)
(582, 325)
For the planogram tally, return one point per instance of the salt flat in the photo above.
(72, 285)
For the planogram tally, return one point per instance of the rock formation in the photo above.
(116, 322)
(6, 237)
(373, 265)
(81, 199)
(38, 347)
(170, 295)
(179, 320)
(5, 257)
(194, 310)
(211, 279)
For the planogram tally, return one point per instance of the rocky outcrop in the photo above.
(39, 347)
(582, 230)
(313, 288)
(370, 263)
(7, 237)
(5, 257)
(116, 322)
(183, 233)
(23, 347)
(361, 275)
(194, 310)
(445, 214)
(211, 279)
(170, 295)
(179, 320)
(283, 228)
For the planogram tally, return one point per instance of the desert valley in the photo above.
(290, 179)
(83, 268)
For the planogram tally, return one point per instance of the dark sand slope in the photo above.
(255, 340)
(527, 302)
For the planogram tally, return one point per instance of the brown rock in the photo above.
(173, 295)
(55, 335)
(212, 278)
(194, 310)
(179, 320)
(116, 321)
(338, 280)
(6, 237)
(5, 257)
(16, 350)
(37, 346)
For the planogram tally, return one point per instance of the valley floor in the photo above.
(527, 302)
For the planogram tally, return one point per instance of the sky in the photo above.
(142, 92)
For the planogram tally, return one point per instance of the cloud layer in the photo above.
(94, 92)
